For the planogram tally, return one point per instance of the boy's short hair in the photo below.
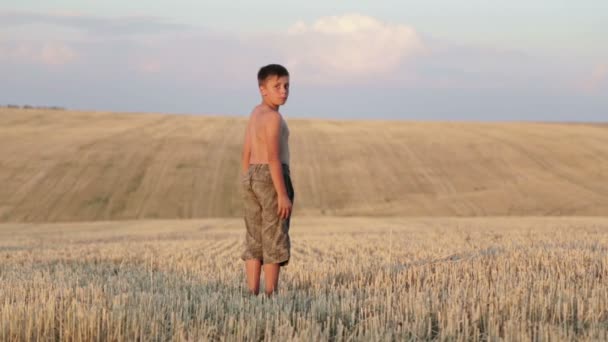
(271, 70)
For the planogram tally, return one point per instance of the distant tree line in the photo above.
(13, 106)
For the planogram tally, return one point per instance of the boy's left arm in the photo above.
(246, 152)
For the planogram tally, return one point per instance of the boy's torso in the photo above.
(259, 146)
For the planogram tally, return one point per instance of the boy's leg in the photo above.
(275, 230)
(252, 254)
(253, 268)
(271, 278)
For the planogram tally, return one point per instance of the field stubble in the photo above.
(349, 279)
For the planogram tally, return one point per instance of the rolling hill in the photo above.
(86, 166)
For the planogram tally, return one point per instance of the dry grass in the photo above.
(59, 166)
(350, 279)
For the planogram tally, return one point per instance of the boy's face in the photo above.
(276, 89)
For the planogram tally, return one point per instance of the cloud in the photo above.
(450, 65)
(351, 65)
(60, 38)
(596, 80)
(91, 24)
(332, 50)
(346, 51)
(56, 53)
(151, 66)
(50, 53)
(351, 46)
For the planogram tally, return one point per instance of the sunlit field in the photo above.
(60, 166)
(349, 279)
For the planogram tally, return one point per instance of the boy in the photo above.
(267, 190)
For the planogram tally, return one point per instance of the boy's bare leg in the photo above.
(253, 268)
(271, 278)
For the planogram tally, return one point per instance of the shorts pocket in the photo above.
(262, 176)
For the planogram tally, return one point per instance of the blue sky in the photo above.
(435, 60)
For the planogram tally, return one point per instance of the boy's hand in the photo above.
(284, 207)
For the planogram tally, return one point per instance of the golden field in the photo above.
(349, 279)
(60, 166)
(127, 227)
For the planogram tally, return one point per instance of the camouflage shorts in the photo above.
(267, 235)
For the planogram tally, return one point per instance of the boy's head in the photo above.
(273, 80)
(271, 70)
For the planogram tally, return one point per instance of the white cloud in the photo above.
(92, 24)
(40, 52)
(596, 79)
(348, 47)
(346, 50)
(56, 53)
(350, 65)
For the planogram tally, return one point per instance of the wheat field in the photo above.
(128, 227)
(349, 279)
(60, 166)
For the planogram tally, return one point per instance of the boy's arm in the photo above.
(246, 150)
(273, 130)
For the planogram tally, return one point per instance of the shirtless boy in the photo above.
(267, 189)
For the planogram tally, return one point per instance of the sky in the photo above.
(534, 60)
